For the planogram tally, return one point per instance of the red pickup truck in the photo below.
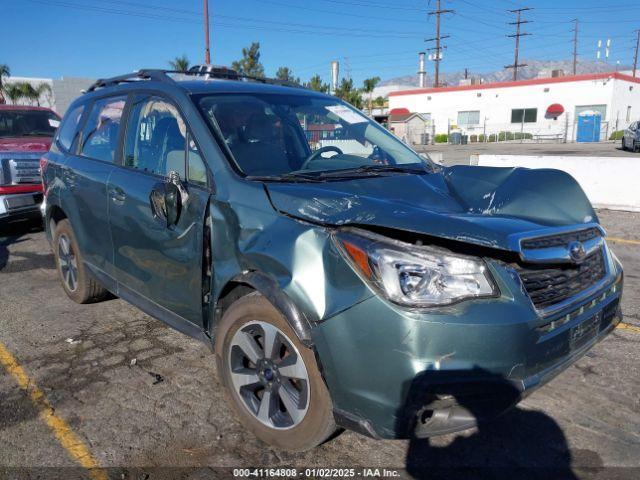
(25, 135)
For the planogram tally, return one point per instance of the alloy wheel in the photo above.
(68, 263)
(269, 375)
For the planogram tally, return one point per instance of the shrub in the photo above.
(502, 136)
(473, 138)
(441, 138)
(482, 138)
(617, 135)
(492, 137)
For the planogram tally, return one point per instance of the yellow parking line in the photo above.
(626, 326)
(623, 240)
(74, 446)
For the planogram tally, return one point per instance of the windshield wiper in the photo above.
(373, 169)
(285, 178)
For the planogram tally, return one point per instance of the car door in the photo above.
(159, 265)
(85, 174)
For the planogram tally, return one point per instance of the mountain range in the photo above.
(533, 69)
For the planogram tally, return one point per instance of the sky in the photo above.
(91, 38)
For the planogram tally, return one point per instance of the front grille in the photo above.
(20, 169)
(560, 240)
(551, 284)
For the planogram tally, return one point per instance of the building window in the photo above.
(524, 115)
(629, 113)
(602, 109)
(471, 117)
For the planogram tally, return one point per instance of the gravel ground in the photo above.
(168, 409)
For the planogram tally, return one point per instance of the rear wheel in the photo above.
(624, 147)
(74, 277)
(272, 380)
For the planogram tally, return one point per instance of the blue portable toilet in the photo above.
(589, 126)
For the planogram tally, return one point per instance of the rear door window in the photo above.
(102, 129)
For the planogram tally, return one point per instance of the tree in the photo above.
(25, 91)
(43, 89)
(379, 102)
(180, 64)
(13, 92)
(286, 75)
(316, 84)
(347, 92)
(4, 72)
(249, 65)
(369, 87)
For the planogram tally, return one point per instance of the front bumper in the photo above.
(395, 373)
(20, 204)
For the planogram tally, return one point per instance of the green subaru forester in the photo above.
(341, 280)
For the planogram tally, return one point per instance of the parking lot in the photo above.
(105, 385)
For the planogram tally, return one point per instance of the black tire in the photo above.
(317, 424)
(84, 289)
(623, 144)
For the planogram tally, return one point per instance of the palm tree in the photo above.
(13, 92)
(42, 89)
(4, 72)
(180, 64)
(369, 87)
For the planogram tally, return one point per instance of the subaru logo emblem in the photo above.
(577, 252)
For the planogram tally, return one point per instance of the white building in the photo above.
(538, 109)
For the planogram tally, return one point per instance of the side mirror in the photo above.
(167, 200)
(173, 203)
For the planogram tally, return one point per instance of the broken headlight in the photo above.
(415, 275)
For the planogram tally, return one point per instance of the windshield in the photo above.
(274, 135)
(28, 123)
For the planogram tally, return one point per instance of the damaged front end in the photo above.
(438, 300)
(476, 296)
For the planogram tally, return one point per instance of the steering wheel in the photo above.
(320, 151)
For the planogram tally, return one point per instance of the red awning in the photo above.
(400, 111)
(555, 110)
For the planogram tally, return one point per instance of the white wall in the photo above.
(495, 104)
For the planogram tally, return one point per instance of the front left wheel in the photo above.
(272, 380)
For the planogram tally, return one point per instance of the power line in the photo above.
(438, 38)
(517, 36)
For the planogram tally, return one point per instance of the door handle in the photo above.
(117, 195)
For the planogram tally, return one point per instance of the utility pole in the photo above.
(635, 57)
(575, 47)
(207, 52)
(517, 36)
(438, 39)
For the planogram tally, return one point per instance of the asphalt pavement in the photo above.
(104, 385)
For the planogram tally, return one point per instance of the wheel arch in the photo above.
(255, 281)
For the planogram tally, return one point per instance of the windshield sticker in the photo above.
(347, 114)
(54, 123)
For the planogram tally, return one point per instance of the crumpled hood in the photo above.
(25, 144)
(482, 205)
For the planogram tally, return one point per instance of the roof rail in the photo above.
(160, 75)
(144, 74)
